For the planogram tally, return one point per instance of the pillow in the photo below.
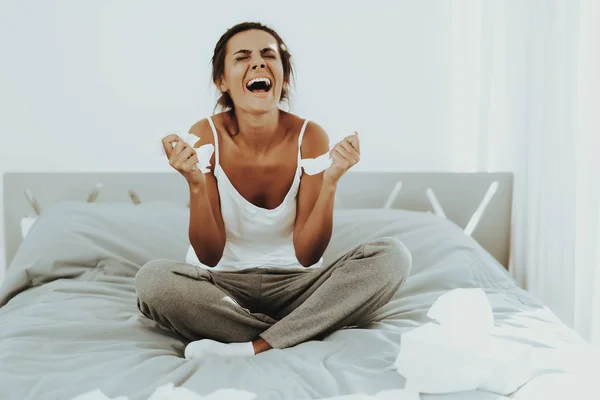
(71, 237)
(429, 238)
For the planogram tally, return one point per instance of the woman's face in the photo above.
(253, 74)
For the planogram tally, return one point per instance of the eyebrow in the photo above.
(244, 51)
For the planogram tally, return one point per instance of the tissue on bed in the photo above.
(392, 394)
(434, 360)
(97, 395)
(459, 353)
(464, 311)
(168, 391)
(509, 365)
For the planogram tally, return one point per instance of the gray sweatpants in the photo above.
(284, 307)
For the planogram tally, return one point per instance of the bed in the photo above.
(69, 321)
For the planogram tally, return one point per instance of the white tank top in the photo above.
(256, 237)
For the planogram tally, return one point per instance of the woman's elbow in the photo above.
(306, 264)
(210, 261)
(306, 260)
(310, 253)
(210, 258)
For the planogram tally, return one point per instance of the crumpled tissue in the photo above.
(97, 394)
(170, 392)
(313, 166)
(393, 394)
(203, 152)
(458, 353)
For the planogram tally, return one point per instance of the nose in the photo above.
(258, 64)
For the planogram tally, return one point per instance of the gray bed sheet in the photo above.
(69, 322)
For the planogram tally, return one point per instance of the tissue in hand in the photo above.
(313, 166)
(459, 353)
(204, 152)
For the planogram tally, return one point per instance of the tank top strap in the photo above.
(300, 140)
(216, 136)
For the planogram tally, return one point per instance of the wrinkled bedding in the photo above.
(69, 322)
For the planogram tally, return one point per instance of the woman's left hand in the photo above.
(345, 155)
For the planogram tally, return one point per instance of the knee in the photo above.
(152, 279)
(395, 261)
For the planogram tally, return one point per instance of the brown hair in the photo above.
(218, 61)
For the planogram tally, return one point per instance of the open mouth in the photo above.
(259, 85)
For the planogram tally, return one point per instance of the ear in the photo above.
(222, 85)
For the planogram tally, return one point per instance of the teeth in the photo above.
(267, 80)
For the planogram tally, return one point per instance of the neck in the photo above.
(258, 131)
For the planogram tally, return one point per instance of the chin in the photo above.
(261, 105)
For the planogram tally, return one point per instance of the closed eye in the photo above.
(244, 58)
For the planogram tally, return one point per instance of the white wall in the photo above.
(83, 84)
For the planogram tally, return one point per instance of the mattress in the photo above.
(69, 322)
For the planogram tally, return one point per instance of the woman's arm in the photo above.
(206, 230)
(314, 215)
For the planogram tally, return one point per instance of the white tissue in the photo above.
(313, 166)
(97, 395)
(189, 139)
(393, 394)
(204, 152)
(434, 360)
(459, 353)
(475, 317)
(230, 394)
(170, 392)
(509, 365)
(26, 224)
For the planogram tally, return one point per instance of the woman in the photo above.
(258, 224)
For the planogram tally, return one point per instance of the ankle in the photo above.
(260, 345)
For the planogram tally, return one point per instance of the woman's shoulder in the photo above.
(313, 132)
(315, 140)
(204, 130)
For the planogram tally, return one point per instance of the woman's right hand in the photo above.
(184, 159)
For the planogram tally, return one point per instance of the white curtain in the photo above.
(526, 98)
